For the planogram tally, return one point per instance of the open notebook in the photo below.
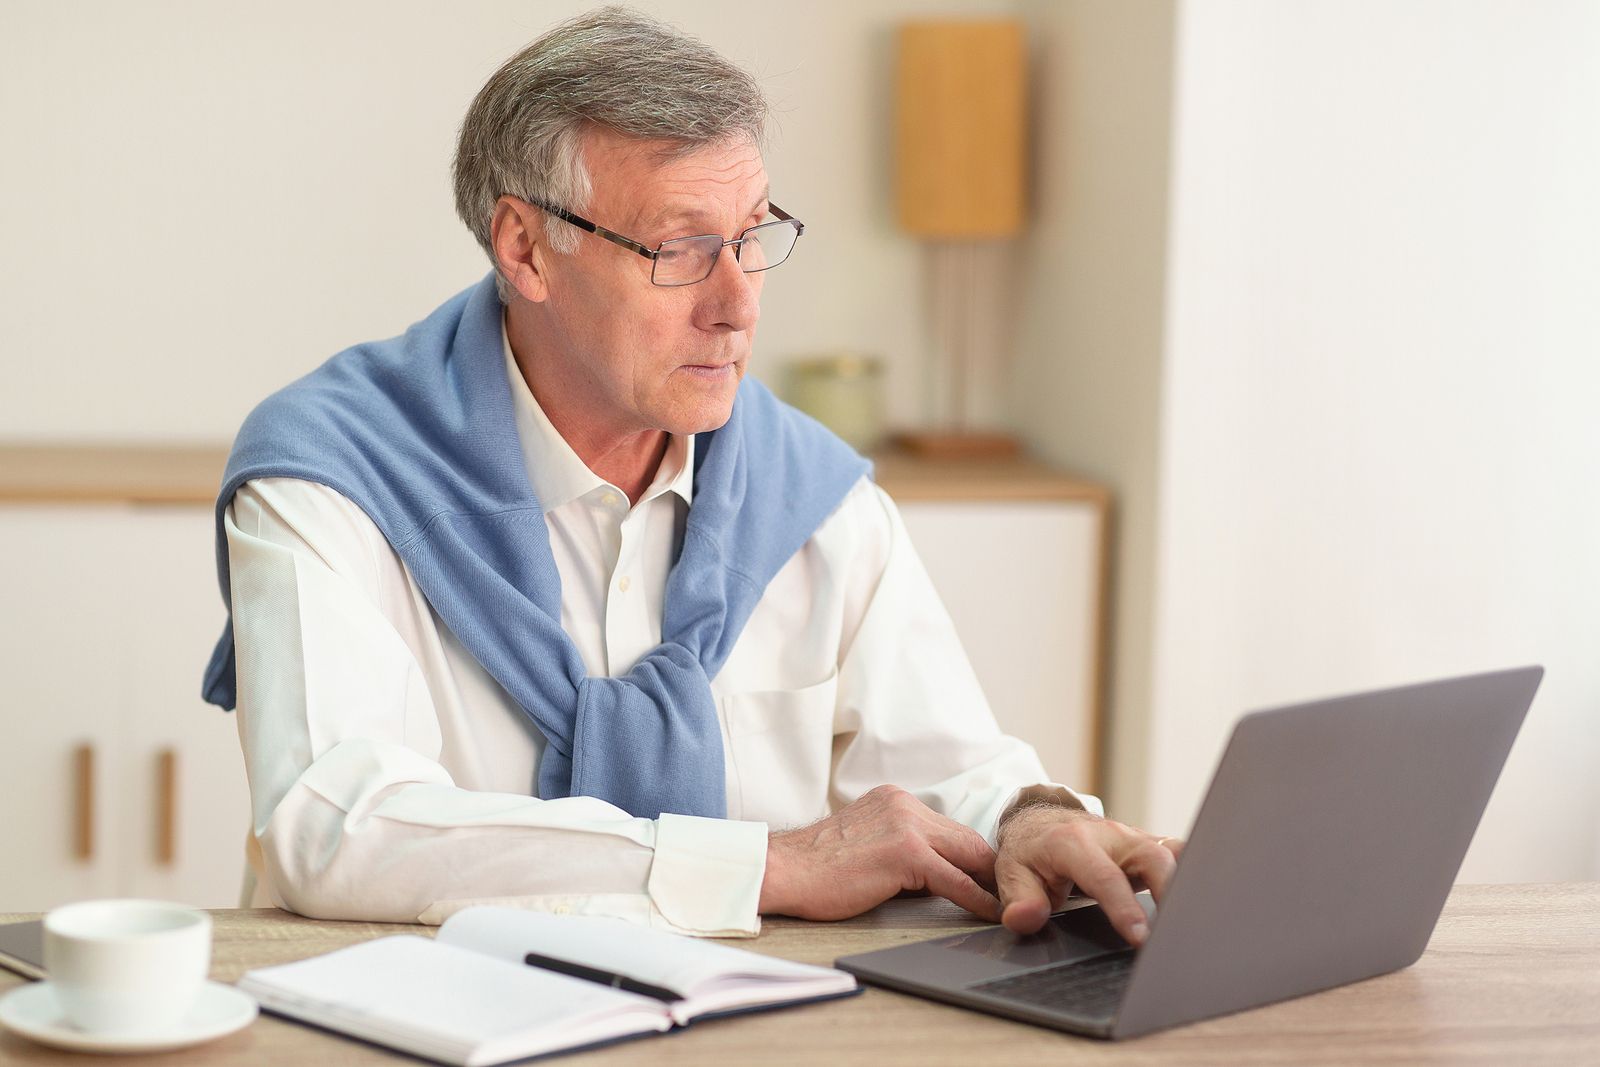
(500, 984)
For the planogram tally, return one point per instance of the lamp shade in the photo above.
(961, 128)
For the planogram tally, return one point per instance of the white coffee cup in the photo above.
(126, 966)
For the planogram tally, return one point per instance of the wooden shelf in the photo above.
(191, 474)
(111, 473)
(908, 477)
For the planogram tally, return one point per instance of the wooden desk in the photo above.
(1512, 977)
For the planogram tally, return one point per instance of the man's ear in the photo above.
(517, 234)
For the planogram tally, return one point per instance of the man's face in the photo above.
(652, 357)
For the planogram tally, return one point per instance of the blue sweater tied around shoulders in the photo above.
(418, 431)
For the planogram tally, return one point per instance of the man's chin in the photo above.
(704, 406)
(710, 418)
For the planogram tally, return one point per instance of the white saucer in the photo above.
(34, 1012)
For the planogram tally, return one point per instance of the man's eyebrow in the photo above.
(764, 198)
(671, 213)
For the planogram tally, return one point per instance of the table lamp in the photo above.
(960, 184)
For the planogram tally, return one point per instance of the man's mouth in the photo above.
(710, 370)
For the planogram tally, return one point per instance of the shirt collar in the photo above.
(556, 473)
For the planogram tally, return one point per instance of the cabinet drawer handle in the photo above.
(83, 824)
(167, 800)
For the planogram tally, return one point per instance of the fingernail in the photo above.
(1140, 932)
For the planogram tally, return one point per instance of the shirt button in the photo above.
(623, 583)
(610, 500)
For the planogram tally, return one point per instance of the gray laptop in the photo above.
(1322, 855)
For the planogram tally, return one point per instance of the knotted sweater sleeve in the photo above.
(354, 813)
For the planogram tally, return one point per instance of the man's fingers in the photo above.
(954, 884)
(1155, 864)
(1101, 878)
(958, 844)
(965, 848)
(1024, 896)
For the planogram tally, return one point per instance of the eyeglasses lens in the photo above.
(686, 260)
(691, 259)
(767, 245)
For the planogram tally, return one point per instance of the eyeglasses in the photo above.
(686, 260)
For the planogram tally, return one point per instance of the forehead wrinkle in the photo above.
(674, 213)
(679, 204)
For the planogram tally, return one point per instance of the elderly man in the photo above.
(546, 602)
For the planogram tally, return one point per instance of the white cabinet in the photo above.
(110, 611)
(1021, 579)
(1018, 551)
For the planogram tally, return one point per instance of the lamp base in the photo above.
(957, 444)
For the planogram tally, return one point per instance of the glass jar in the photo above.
(844, 392)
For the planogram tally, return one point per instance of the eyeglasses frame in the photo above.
(653, 254)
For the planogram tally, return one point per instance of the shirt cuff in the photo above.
(705, 878)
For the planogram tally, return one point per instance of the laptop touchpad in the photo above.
(1080, 934)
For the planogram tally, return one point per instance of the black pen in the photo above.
(595, 974)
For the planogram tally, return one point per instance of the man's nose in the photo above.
(732, 298)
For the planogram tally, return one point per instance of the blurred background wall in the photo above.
(208, 199)
(1310, 286)
(1380, 457)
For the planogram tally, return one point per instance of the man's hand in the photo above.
(1046, 849)
(885, 843)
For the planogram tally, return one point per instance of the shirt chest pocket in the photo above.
(780, 752)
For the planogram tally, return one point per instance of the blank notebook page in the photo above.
(445, 1001)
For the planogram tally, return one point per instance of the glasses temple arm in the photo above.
(783, 216)
(599, 231)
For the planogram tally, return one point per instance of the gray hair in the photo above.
(612, 69)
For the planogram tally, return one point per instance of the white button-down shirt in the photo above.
(390, 773)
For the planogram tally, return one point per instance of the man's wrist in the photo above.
(774, 882)
(1026, 811)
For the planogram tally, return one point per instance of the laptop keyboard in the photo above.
(1088, 988)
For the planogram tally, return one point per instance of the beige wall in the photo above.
(1379, 450)
(1088, 362)
(206, 199)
